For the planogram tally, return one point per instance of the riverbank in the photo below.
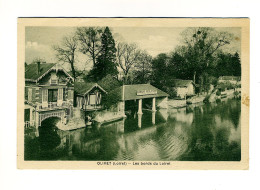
(196, 99)
(177, 103)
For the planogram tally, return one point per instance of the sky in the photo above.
(155, 40)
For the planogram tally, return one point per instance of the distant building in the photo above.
(49, 92)
(231, 79)
(183, 88)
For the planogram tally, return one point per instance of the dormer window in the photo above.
(54, 79)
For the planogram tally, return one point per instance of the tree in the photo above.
(159, 71)
(90, 41)
(142, 72)
(66, 52)
(200, 45)
(112, 86)
(106, 60)
(228, 64)
(127, 56)
(236, 65)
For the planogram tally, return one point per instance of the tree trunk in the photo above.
(194, 77)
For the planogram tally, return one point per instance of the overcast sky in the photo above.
(39, 41)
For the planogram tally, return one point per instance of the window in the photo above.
(52, 95)
(92, 100)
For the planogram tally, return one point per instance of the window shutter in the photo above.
(30, 94)
(60, 94)
(33, 94)
(44, 97)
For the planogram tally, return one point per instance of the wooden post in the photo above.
(153, 118)
(139, 120)
(154, 106)
(140, 106)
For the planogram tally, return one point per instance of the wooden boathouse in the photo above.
(146, 92)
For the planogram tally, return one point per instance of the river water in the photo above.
(202, 132)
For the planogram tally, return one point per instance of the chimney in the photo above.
(39, 67)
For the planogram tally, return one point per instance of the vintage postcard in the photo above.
(133, 93)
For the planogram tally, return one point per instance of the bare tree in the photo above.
(66, 52)
(90, 41)
(143, 67)
(127, 56)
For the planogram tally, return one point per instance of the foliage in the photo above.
(228, 65)
(106, 60)
(112, 86)
(200, 58)
(226, 85)
(198, 50)
(160, 75)
(112, 98)
(218, 93)
(142, 69)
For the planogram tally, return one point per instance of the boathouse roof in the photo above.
(83, 88)
(141, 91)
(182, 83)
(33, 74)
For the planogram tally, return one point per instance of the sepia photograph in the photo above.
(125, 93)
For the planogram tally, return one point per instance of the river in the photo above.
(202, 132)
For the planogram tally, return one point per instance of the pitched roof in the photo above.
(83, 88)
(140, 91)
(181, 83)
(31, 71)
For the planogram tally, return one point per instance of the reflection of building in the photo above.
(49, 92)
(183, 88)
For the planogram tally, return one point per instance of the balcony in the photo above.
(54, 106)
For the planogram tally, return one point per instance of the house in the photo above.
(49, 92)
(231, 79)
(88, 95)
(183, 88)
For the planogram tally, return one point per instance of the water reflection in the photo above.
(197, 132)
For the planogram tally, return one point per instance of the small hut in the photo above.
(88, 95)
